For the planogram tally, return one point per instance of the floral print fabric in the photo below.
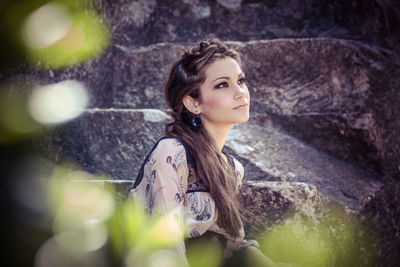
(168, 184)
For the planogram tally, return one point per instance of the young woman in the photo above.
(187, 173)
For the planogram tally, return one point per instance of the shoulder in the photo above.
(171, 148)
(170, 142)
(167, 153)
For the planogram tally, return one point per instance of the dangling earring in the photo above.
(197, 121)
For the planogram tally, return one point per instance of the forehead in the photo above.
(224, 67)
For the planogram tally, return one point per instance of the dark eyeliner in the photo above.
(218, 86)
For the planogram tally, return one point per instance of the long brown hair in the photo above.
(186, 77)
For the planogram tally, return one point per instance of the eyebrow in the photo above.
(227, 78)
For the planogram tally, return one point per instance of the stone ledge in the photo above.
(116, 141)
(268, 203)
(285, 158)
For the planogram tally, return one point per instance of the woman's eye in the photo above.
(242, 80)
(221, 85)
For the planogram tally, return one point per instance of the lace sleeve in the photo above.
(166, 177)
(164, 183)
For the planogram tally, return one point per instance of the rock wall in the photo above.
(384, 209)
(326, 92)
(324, 81)
(142, 23)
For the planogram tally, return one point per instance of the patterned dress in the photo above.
(167, 183)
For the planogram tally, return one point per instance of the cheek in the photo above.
(214, 102)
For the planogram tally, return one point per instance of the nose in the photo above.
(241, 91)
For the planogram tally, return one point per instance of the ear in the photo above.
(191, 104)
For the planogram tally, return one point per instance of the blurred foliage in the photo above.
(87, 226)
(336, 239)
(196, 254)
(90, 228)
(15, 121)
(26, 108)
(87, 35)
(87, 218)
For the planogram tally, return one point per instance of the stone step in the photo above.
(145, 22)
(327, 92)
(269, 203)
(116, 141)
(285, 158)
(266, 203)
(290, 76)
(109, 141)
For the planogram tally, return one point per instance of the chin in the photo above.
(243, 120)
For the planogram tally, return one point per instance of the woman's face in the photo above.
(224, 97)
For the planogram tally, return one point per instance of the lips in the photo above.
(242, 106)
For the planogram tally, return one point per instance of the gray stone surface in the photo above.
(301, 210)
(326, 92)
(116, 141)
(109, 141)
(139, 75)
(141, 23)
(383, 211)
(269, 203)
(338, 97)
(329, 93)
(96, 74)
(287, 159)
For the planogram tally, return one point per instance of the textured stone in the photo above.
(139, 12)
(230, 4)
(269, 203)
(329, 93)
(96, 74)
(326, 92)
(115, 142)
(383, 210)
(284, 158)
(139, 75)
(338, 96)
(109, 141)
(150, 22)
(285, 75)
(311, 75)
(280, 206)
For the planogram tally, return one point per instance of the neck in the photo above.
(218, 133)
